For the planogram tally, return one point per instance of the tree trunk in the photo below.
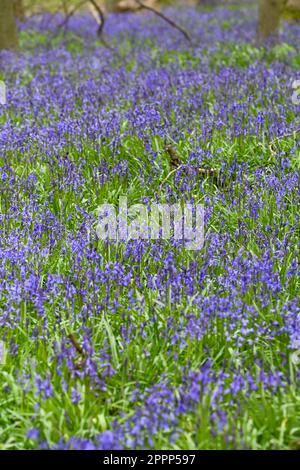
(293, 9)
(19, 10)
(269, 20)
(8, 29)
(293, 4)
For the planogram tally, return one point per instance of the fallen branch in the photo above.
(165, 18)
(176, 163)
(171, 173)
(277, 139)
(288, 134)
(76, 344)
(175, 159)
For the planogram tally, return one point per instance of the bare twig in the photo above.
(100, 17)
(165, 18)
(64, 24)
(97, 13)
(64, 6)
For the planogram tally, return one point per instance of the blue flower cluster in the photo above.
(144, 344)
